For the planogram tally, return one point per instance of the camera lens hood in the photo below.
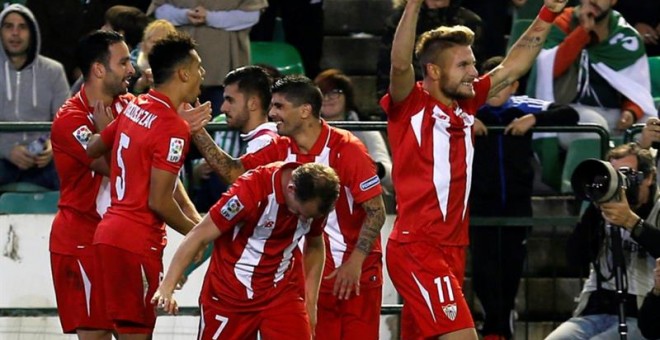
(596, 180)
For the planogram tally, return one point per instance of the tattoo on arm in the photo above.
(227, 167)
(495, 89)
(373, 222)
(532, 42)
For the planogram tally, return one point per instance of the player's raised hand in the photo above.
(555, 5)
(197, 116)
(102, 115)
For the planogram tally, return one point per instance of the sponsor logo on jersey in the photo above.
(450, 311)
(83, 134)
(231, 208)
(269, 224)
(176, 150)
(369, 183)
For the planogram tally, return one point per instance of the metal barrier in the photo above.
(631, 132)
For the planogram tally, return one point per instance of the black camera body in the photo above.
(599, 182)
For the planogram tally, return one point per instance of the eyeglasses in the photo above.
(333, 94)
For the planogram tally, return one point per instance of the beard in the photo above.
(603, 15)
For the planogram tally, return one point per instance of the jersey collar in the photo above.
(319, 145)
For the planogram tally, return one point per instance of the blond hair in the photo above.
(432, 43)
(159, 24)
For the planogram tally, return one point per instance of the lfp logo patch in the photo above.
(82, 134)
(231, 208)
(176, 150)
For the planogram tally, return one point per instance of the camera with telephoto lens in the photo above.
(599, 182)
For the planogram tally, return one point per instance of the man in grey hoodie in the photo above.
(32, 88)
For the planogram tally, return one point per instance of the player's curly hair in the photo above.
(433, 42)
(316, 181)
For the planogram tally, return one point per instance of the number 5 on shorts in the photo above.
(223, 323)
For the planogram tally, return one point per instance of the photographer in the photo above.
(636, 212)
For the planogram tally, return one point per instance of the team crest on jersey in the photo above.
(176, 150)
(450, 311)
(82, 134)
(369, 183)
(231, 208)
(269, 224)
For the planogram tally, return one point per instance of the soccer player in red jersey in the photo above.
(256, 227)
(350, 296)
(430, 128)
(149, 142)
(103, 58)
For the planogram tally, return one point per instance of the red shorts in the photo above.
(129, 283)
(78, 292)
(433, 298)
(283, 318)
(355, 318)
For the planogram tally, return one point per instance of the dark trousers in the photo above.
(498, 255)
(45, 177)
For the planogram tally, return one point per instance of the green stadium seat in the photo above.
(22, 187)
(547, 150)
(29, 203)
(654, 67)
(284, 57)
(578, 150)
(517, 29)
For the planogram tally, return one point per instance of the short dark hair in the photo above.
(334, 79)
(168, 53)
(95, 48)
(491, 63)
(131, 20)
(251, 80)
(316, 181)
(300, 90)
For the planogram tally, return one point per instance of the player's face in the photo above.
(598, 8)
(235, 108)
(286, 116)
(305, 210)
(196, 76)
(458, 72)
(119, 70)
(15, 35)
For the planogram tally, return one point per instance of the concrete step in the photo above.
(343, 17)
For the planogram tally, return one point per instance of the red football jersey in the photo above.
(359, 182)
(252, 260)
(148, 134)
(82, 201)
(432, 149)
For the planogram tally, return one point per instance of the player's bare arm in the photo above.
(314, 259)
(183, 200)
(96, 148)
(348, 274)
(201, 235)
(227, 167)
(524, 51)
(161, 201)
(402, 74)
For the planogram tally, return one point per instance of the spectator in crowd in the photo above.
(649, 321)
(64, 22)
(645, 17)
(245, 108)
(221, 28)
(302, 22)
(85, 194)
(156, 30)
(434, 13)
(339, 104)
(430, 128)
(256, 228)
(149, 142)
(502, 186)
(351, 292)
(32, 88)
(634, 214)
(596, 61)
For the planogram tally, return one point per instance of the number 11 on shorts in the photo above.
(450, 293)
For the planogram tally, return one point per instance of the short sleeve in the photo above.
(268, 154)
(234, 205)
(409, 106)
(71, 134)
(170, 145)
(357, 171)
